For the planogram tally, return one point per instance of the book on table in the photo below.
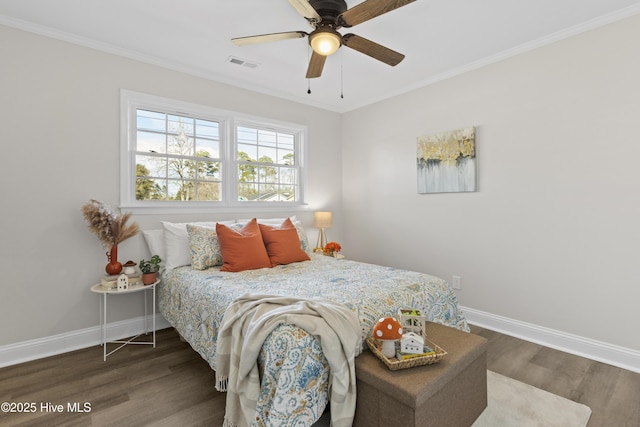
(427, 351)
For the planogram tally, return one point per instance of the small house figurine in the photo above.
(123, 282)
(413, 320)
(411, 343)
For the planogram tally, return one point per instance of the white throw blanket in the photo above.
(251, 318)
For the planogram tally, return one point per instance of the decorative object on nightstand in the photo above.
(413, 320)
(150, 269)
(129, 268)
(109, 282)
(388, 330)
(332, 249)
(123, 282)
(322, 220)
(411, 343)
(111, 229)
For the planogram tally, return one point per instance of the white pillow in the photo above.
(155, 242)
(176, 242)
(267, 221)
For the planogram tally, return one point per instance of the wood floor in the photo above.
(172, 385)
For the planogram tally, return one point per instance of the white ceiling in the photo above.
(440, 38)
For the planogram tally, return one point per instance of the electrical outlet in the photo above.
(456, 282)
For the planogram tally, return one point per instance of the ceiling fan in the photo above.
(327, 17)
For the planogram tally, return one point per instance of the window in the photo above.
(180, 156)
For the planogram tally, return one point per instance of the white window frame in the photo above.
(131, 101)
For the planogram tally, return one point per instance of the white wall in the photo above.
(551, 238)
(59, 109)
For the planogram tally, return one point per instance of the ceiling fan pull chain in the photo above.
(308, 79)
(341, 75)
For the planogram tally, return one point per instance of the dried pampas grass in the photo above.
(110, 227)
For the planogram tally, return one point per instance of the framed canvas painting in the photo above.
(446, 161)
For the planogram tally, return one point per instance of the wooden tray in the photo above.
(394, 364)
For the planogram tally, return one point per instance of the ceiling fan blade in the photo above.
(316, 64)
(242, 41)
(372, 49)
(369, 9)
(305, 9)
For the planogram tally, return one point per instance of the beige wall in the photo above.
(552, 235)
(550, 238)
(60, 110)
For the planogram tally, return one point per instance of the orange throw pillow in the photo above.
(283, 243)
(242, 250)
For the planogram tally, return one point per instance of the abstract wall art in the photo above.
(446, 161)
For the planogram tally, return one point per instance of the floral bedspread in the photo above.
(293, 370)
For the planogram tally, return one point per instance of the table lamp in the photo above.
(321, 220)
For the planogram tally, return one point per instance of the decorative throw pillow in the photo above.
(302, 234)
(205, 247)
(176, 242)
(243, 249)
(282, 243)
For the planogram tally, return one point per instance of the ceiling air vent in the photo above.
(242, 62)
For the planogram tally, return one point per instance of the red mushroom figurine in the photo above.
(388, 330)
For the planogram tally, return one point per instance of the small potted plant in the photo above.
(150, 269)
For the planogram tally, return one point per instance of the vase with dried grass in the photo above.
(111, 229)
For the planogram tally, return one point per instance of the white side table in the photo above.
(99, 289)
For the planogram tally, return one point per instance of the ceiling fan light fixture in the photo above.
(325, 42)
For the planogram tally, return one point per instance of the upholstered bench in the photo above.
(451, 393)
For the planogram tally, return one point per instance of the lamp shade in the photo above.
(322, 219)
(325, 42)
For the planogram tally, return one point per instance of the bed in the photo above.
(294, 373)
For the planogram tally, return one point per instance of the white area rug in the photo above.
(512, 403)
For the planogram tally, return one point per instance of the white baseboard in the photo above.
(26, 351)
(610, 354)
(621, 357)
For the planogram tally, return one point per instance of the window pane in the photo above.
(247, 135)
(208, 171)
(267, 193)
(209, 191)
(266, 154)
(147, 142)
(286, 141)
(208, 148)
(173, 190)
(183, 190)
(182, 145)
(267, 174)
(151, 166)
(247, 152)
(287, 176)
(207, 129)
(286, 157)
(267, 138)
(181, 168)
(247, 191)
(152, 121)
(247, 173)
(150, 189)
(180, 124)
